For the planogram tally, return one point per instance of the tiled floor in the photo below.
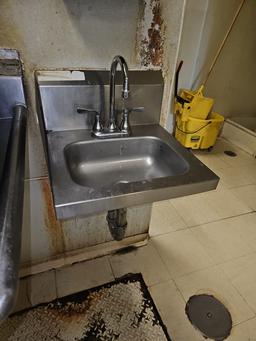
(205, 243)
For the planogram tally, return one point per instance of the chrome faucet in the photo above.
(112, 129)
(112, 125)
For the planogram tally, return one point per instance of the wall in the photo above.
(233, 79)
(194, 18)
(78, 34)
(232, 83)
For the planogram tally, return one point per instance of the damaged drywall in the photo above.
(150, 35)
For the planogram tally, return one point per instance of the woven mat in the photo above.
(122, 310)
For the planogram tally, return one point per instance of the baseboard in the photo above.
(84, 254)
(240, 136)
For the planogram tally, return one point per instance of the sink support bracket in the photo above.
(117, 223)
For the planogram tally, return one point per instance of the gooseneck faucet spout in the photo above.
(125, 93)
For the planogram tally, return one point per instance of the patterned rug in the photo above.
(122, 310)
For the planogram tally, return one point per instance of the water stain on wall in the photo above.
(53, 226)
(151, 34)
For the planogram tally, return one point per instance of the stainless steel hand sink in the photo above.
(118, 162)
(89, 175)
(113, 163)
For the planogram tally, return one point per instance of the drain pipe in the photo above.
(117, 223)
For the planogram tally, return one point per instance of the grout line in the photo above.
(240, 323)
(55, 281)
(111, 267)
(37, 178)
(225, 218)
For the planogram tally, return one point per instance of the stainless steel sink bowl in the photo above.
(89, 176)
(118, 162)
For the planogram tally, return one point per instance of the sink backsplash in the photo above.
(60, 97)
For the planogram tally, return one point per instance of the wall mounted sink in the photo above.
(90, 175)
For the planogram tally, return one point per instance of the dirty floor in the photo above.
(205, 243)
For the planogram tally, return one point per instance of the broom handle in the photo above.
(224, 41)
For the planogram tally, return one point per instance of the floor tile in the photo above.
(247, 228)
(41, 288)
(145, 259)
(246, 194)
(242, 274)
(82, 276)
(213, 281)
(214, 162)
(223, 239)
(237, 176)
(181, 252)
(245, 331)
(209, 206)
(233, 171)
(165, 219)
(171, 306)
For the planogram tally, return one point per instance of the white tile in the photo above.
(214, 162)
(223, 240)
(42, 287)
(209, 206)
(234, 176)
(171, 306)
(165, 219)
(94, 230)
(41, 232)
(242, 274)
(144, 259)
(138, 219)
(246, 226)
(22, 300)
(233, 171)
(82, 276)
(87, 231)
(245, 331)
(181, 252)
(213, 281)
(246, 194)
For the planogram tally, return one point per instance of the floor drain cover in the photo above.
(230, 153)
(210, 316)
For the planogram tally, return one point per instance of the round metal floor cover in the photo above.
(210, 316)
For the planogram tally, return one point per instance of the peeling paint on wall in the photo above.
(54, 226)
(151, 34)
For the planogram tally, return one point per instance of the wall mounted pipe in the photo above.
(11, 209)
(117, 223)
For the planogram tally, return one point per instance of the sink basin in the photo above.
(117, 162)
(90, 176)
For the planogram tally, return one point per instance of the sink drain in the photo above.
(210, 316)
(230, 153)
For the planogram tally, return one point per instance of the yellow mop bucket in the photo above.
(195, 104)
(197, 133)
(196, 126)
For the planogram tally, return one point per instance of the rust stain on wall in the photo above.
(54, 226)
(151, 34)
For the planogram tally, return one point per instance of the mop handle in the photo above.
(224, 41)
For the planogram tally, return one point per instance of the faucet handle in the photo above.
(81, 110)
(136, 109)
(125, 125)
(97, 126)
